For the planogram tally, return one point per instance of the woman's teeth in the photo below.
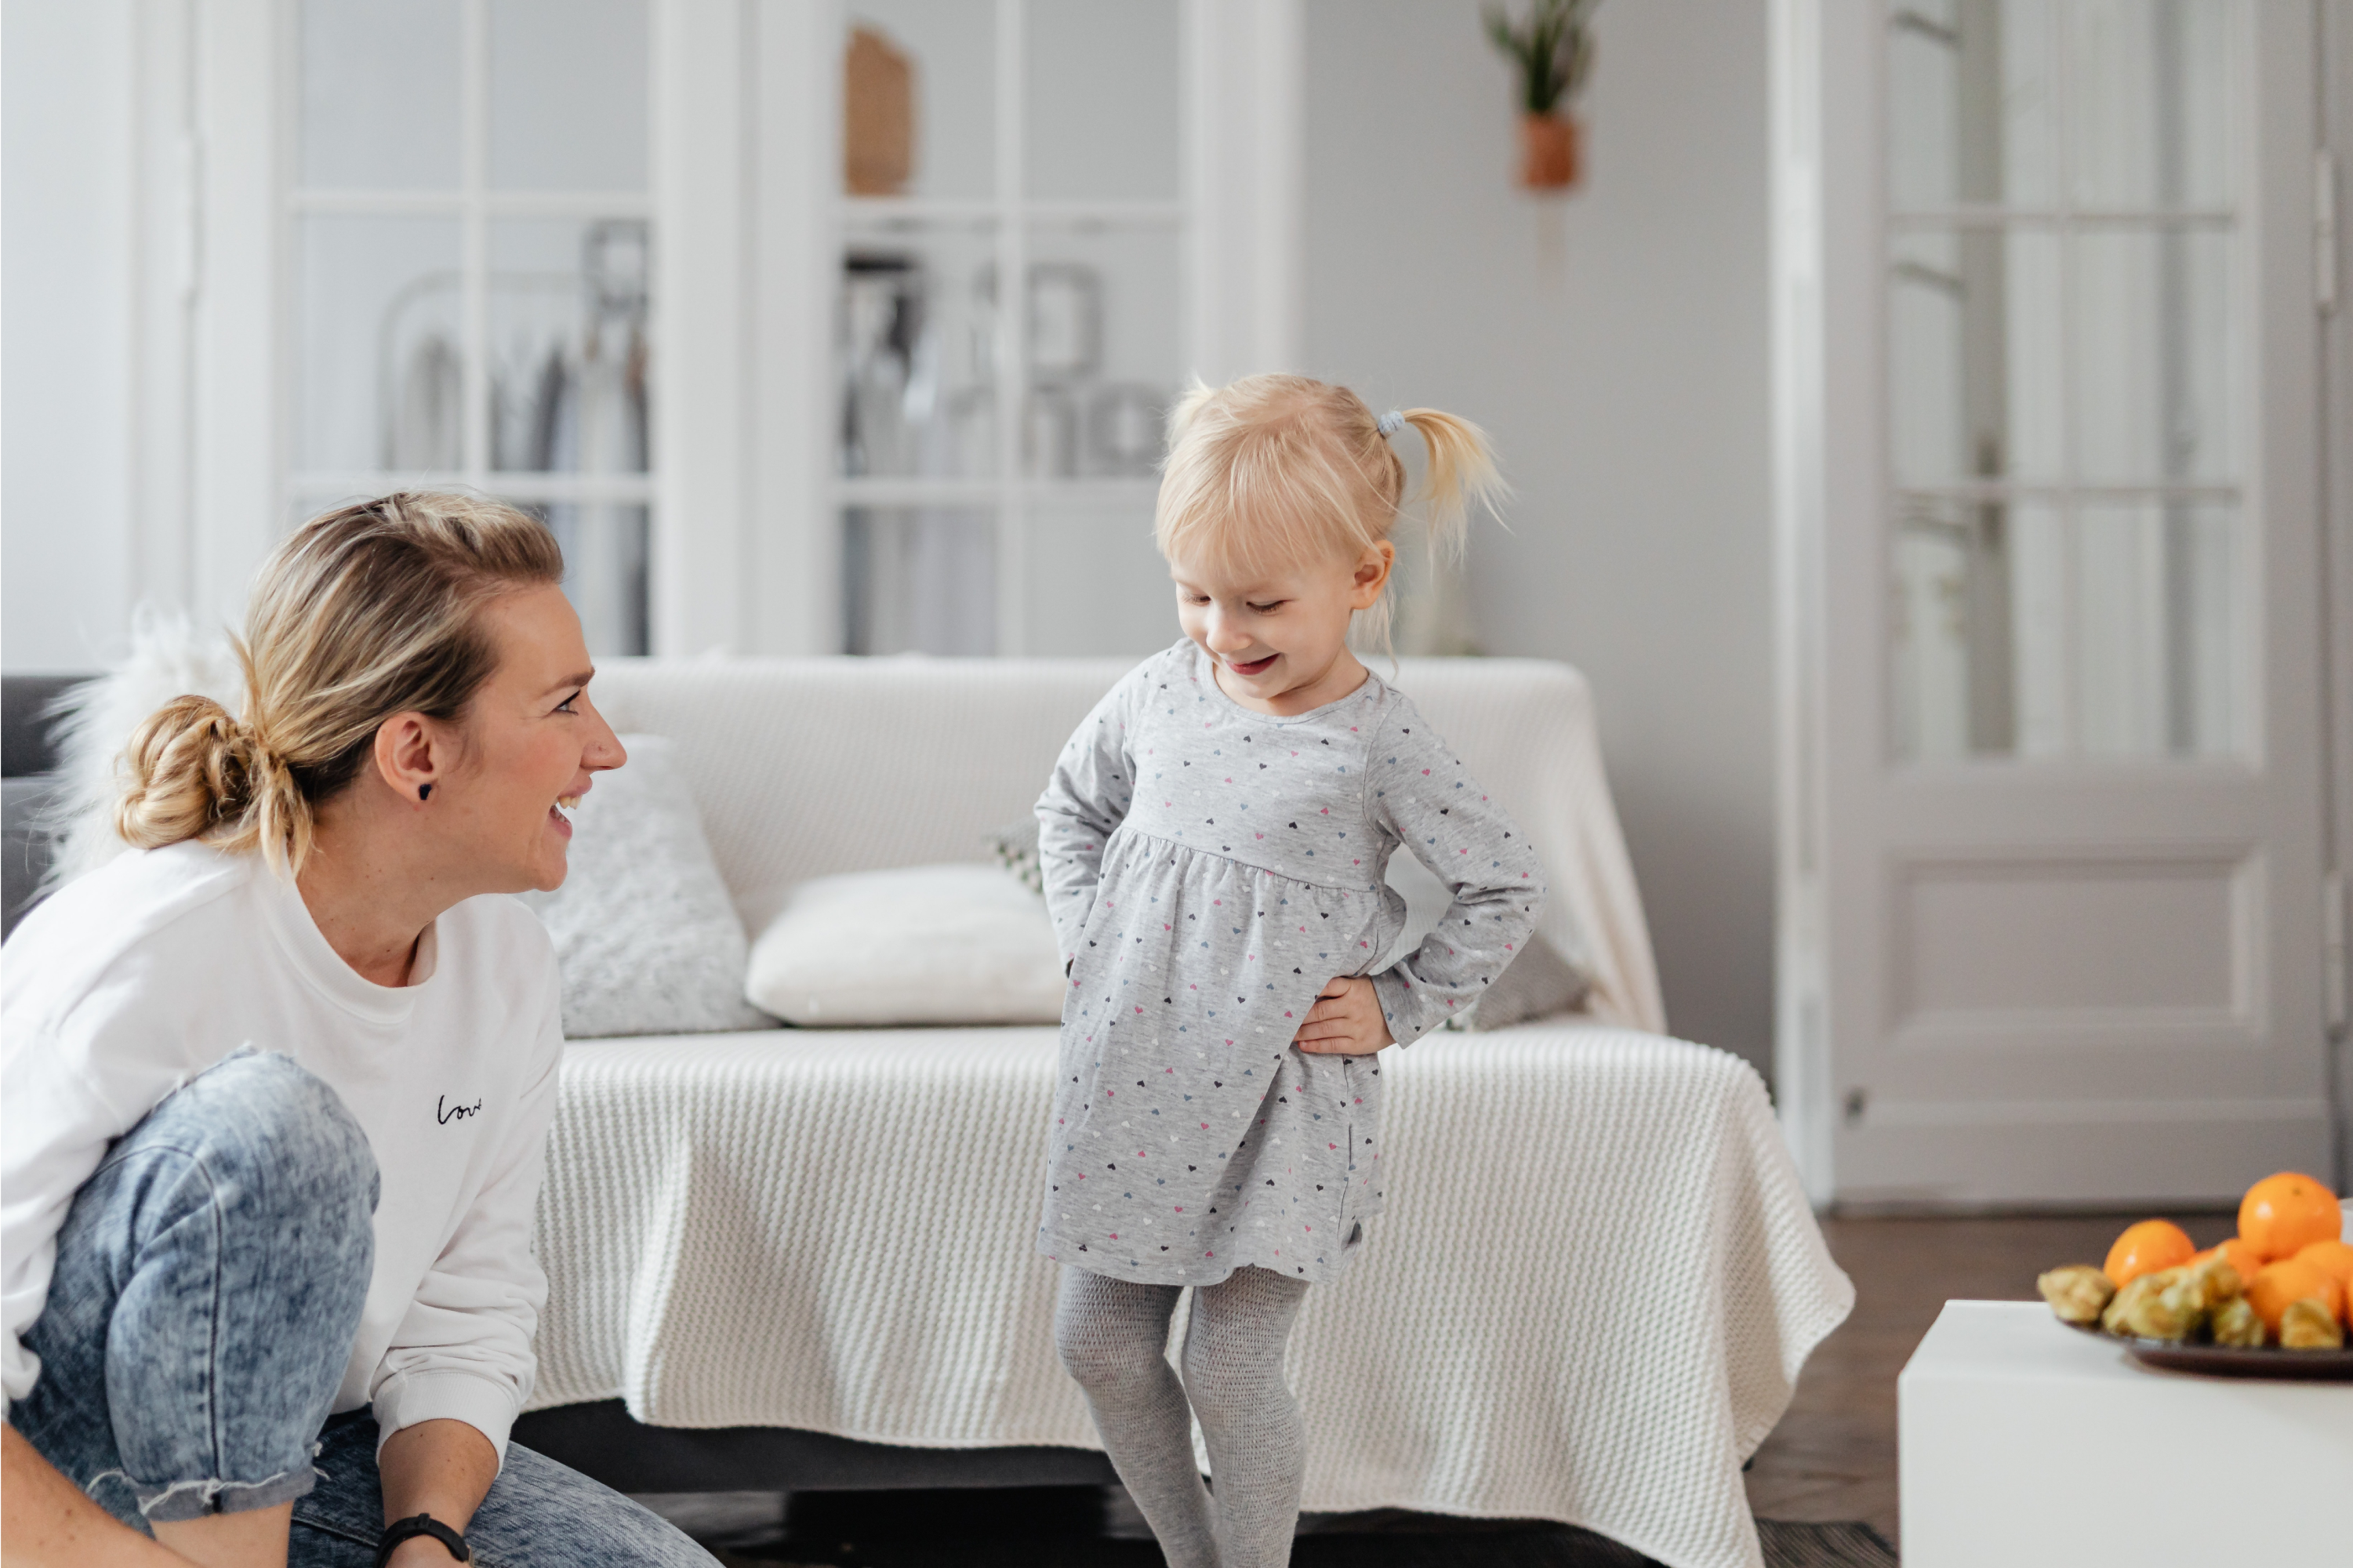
(567, 803)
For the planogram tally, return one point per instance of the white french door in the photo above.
(2050, 457)
(1067, 237)
(596, 257)
(467, 214)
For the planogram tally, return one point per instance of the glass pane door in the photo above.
(468, 230)
(996, 445)
(2067, 353)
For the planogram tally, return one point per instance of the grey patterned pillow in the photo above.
(1016, 849)
(1537, 984)
(645, 930)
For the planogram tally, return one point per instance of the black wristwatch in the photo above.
(418, 1524)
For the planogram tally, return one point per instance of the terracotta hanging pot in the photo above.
(1551, 151)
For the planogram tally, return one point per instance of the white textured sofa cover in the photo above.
(1588, 1300)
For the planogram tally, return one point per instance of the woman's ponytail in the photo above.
(1461, 478)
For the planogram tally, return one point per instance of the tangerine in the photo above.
(2242, 1258)
(2334, 1258)
(2292, 1279)
(2145, 1248)
(2282, 1214)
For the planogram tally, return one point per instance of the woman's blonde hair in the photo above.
(370, 610)
(1272, 471)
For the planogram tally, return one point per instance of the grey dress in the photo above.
(1208, 869)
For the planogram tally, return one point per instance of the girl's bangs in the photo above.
(1264, 517)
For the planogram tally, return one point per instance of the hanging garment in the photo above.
(426, 427)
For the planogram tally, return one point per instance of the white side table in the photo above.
(2023, 1441)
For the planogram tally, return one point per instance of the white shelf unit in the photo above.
(1015, 228)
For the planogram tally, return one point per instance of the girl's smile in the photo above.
(1279, 640)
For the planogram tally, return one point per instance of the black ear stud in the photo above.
(423, 791)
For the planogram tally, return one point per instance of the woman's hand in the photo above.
(1346, 1020)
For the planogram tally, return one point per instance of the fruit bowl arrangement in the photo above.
(2271, 1301)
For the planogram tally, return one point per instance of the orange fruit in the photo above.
(2334, 1258)
(2282, 1214)
(2145, 1248)
(2277, 1283)
(2242, 1258)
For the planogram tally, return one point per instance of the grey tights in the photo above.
(1112, 1336)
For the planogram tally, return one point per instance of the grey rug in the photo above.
(1082, 1527)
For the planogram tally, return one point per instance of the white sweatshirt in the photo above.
(131, 981)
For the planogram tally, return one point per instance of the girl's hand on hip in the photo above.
(1346, 1020)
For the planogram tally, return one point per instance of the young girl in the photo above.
(1214, 842)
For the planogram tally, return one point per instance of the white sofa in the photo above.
(1587, 1300)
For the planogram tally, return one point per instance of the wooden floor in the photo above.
(1834, 1455)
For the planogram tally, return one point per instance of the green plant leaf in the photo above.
(1553, 50)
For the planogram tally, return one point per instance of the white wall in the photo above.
(1614, 346)
(66, 204)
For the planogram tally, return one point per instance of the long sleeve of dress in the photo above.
(1421, 791)
(1085, 801)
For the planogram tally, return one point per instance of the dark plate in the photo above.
(2227, 1361)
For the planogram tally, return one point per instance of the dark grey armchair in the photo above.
(28, 761)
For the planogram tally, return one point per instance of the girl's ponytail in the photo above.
(1461, 478)
(1279, 468)
(197, 772)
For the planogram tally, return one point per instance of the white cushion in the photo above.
(920, 944)
(645, 931)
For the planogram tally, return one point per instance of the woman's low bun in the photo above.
(197, 772)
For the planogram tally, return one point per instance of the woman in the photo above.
(277, 1089)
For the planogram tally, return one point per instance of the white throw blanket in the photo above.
(1587, 1300)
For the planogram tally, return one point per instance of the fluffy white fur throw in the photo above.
(169, 658)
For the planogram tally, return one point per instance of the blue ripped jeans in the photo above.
(209, 1285)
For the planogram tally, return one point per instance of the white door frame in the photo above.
(204, 303)
(2333, 255)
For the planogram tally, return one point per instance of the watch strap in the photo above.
(418, 1524)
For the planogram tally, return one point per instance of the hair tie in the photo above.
(1389, 424)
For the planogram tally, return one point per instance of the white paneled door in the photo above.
(2051, 456)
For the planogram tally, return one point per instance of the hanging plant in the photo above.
(1553, 51)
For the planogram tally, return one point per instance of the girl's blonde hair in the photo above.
(365, 612)
(1272, 471)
